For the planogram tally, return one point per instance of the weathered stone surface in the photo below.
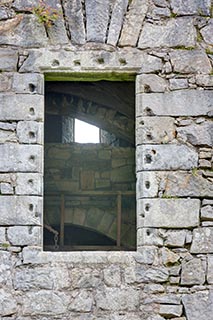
(86, 278)
(28, 278)
(165, 157)
(30, 132)
(190, 61)
(210, 269)
(168, 213)
(186, 185)
(175, 238)
(21, 5)
(115, 299)
(75, 19)
(8, 304)
(119, 9)
(176, 103)
(204, 80)
(207, 212)
(82, 301)
(198, 306)
(149, 237)
(197, 134)
(6, 188)
(29, 184)
(120, 60)
(154, 130)
(44, 302)
(21, 107)
(97, 13)
(177, 84)
(168, 257)
(23, 210)
(6, 265)
(32, 32)
(146, 185)
(170, 310)
(173, 33)
(146, 254)
(112, 276)
(5, 82)
(193, 272)
(8, 59)
(207, 32)
(133, 22)
(31, 83)
(22, 236)
(153, 274)
(150, 83)
(202, 240)
(189, 7)
(20, 158)
(2, 236)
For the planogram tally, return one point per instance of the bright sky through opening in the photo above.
(85, 132)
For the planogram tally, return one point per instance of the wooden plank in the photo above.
(119, 209)
(62, 220)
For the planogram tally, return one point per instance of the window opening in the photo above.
(86, 133)
(89, 188)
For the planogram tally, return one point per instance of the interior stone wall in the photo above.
(167, 45)
(73, 169)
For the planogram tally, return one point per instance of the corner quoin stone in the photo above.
(168, 213)
(166, 157)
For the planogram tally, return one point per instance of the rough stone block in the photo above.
(97, 13)
(44, 302)
(146, 254)
(191, 7)
(177, 84)
(204, 80)
(168, 34)
(197, 134)
(24, 235)
(207, 32)
(202, 240)
(8, 305)
(8, 59)
(36, 278)
(21, 158)
(30, 132)
(170, 310)
(5, 81)
(165, 157)
(190, 61)
(133, 22)
(150, 83)
(207, 212)
(6, 188)
(119, 9)
(32, 32)
(152, 274)
(31, 83)
(210, 269)
(193, 272)
(168, 257)
(154, 130)
(2, 235)
(115, 299)
(168, 213)
(23, 210)
(75, 19)
(112, 276)
(149, 237)
(21, 107)
(175, 238)
(198, 306)
(175, 103)
(29, 184)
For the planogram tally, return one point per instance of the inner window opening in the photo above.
(89, 167)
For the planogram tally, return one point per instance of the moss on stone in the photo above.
(92, 76)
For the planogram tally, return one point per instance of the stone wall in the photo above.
(168, 46)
